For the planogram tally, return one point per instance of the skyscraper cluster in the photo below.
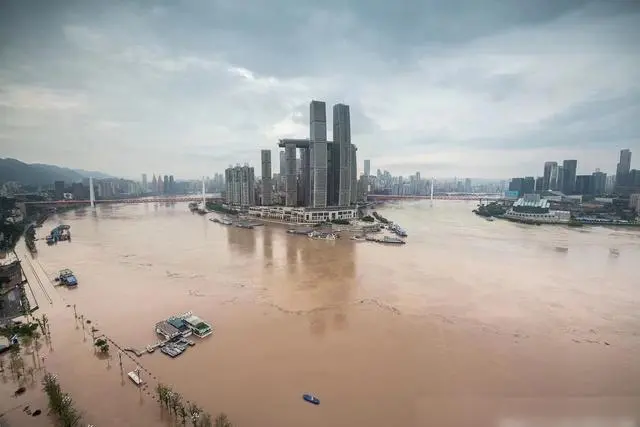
(560, 178)
(327, 175)
(162, 184)
(563, 178)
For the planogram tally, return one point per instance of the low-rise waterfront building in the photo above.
(14, 297)
(180, 325)
(302, 215)
(167, 330)
(199, 327)
(533, 209)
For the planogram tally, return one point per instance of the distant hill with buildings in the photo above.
(37, 174)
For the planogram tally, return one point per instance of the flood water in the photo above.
(472, 323)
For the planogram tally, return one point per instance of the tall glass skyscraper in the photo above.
(342, 137)
(318, 152)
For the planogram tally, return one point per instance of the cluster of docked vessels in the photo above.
(238, 224)
(176, 329)
(313, 234)
(396, 229)
(59, 234)
(320, 235)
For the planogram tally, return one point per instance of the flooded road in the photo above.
(472, 323)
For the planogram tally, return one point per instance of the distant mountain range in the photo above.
(36, 174)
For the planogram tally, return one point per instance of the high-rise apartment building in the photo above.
(333, 173)
(353, 173)
(342, 137)
(367, 167)
(550, 176)
(538, 187)
(59, 189)
(265, 156)
(304, 177)
(623, 168)
(240, 183)
(528, 185)
(291, 178)
(569, 176)
(560, 178)
(144, 182)
(282, 163)
(318, 148)
(599, 182)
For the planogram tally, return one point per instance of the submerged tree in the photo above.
(205, 420)
(223, 421)
(194, 413)
(60, 404)
(16, 364)
(162, 391)
(69, 416)
(182, 411)
(53, 392)
(102, 345)
(176, 401)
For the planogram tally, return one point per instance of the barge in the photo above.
(223, 221)
(300, 231)
(318, 235)
(387, 240)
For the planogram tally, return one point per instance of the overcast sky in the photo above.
(467, 88)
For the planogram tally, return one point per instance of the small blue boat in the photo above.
(311, 399)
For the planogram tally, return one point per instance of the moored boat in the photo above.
(311, 399)
(67, 278)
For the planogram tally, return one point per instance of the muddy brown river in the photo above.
(472, 323)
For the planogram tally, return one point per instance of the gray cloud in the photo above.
(187, 87)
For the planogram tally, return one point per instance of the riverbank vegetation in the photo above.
(490, 209)
(30, 239)
(340, 221)
(61, 404)
(380, 218)
(217, 207)
(9, 235)
(187, 411)
(368, 218)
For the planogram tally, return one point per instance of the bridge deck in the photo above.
(134, 200)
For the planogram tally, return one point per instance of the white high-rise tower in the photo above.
(92, 197)
(204, 201)
(433, 181)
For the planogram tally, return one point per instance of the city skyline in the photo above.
(128, 88)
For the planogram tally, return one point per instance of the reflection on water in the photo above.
(267, 243)
(471, 323)
(241, 240)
